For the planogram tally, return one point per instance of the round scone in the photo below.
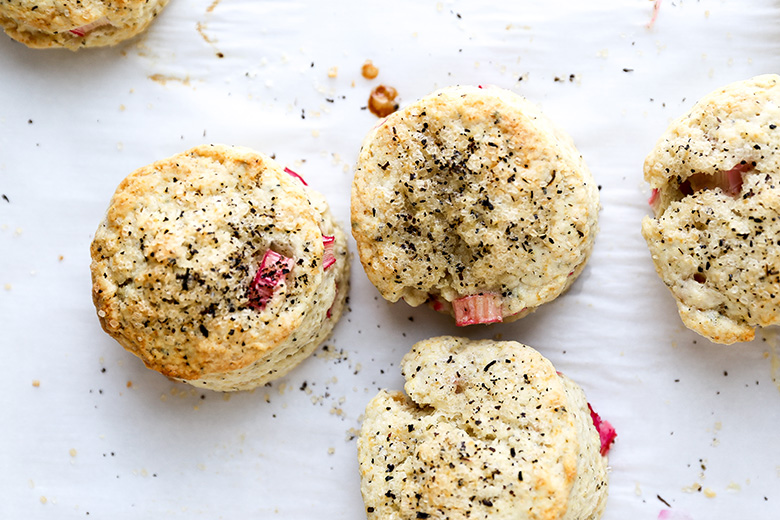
(470, 199)
(76, 23)
(715, 175)
(219, 268)
(488, 430)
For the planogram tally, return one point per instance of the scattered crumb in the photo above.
(329, 353)
(163, 79)
(733, 486)
(368, 70)
(333, 72)
(382, 102)
(693, 488)
(709, 493)
(72, 452)
(36, 383)
(129, 384)
(331, 450)
(43, 499)
(637, 490)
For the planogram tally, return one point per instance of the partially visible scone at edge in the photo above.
(471, 200)
(488, 430)
(76, 23)
(715, 175)
(219, 268)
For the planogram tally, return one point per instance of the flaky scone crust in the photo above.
(488, 430)
(180, 246)
(718, 252)
(472, 190)
(47, 23)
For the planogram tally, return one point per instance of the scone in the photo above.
(489, 430)
(470, 199)
(76, 23)
(219, 268)
(715, 175)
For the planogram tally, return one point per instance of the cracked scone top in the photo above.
(471, 200)
(76, 23)
(716, 199)
(219, 268)
(488, 430)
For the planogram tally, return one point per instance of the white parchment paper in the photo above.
(86, 430)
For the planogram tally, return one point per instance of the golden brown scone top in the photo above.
(472, 190)
(488, 430)
(76, 23)
(714, 239)
(179, 248)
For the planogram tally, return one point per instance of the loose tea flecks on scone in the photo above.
(472, 201)
(488, 429)
(219, 268)
(714, 237)
(75, 24)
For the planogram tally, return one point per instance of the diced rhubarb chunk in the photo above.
(85, 29)
(273, 270)
(606, 431)
(288, 171)
(656, 8)
(478, 308)
(654, 196)
(435, 303)
(729, 181)
(328, 258)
